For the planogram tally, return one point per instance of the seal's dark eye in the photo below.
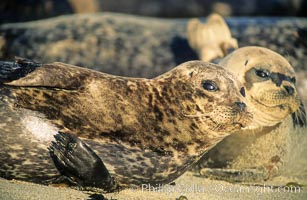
(262, 73)
(209, 85)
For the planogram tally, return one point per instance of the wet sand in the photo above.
(189, 185)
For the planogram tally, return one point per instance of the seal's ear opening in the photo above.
(299, 117)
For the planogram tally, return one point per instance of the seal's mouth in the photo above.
(244, 120)
(228, 128)
(231, 120)
(239, 124)
(282, 106)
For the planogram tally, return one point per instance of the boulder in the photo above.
(139, 46)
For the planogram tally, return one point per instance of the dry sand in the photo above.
(188, 185)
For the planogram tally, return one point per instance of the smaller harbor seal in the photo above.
(211, 40)
(271, 94)
(108, 131)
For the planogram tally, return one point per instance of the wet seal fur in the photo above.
(108, 131)
(256, 152)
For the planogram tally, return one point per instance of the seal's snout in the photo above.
(241, 106)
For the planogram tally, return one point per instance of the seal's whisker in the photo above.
(195, 116)
(216, 127)
(302, 111)
(299, 117)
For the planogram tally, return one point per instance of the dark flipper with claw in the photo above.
(80, 164)
(10, 71)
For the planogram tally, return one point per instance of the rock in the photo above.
(139, 46)
(17, 11)
(117, 44)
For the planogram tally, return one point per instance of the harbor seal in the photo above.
(211, 40)
(111, 132)
(272, 96)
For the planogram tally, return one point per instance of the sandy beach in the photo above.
(189, 186)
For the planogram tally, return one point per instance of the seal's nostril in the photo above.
(242, 91)
(241, 105)
(289, 89)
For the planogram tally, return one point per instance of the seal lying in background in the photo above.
(272, 96)
(108, 131)
(212, 39)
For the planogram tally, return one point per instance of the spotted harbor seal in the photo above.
(271, 94)
(108, 131)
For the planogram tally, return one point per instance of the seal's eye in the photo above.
(209, 85)
(263, 74)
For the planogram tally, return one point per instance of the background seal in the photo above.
(265, 145)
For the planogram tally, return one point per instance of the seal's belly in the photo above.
(26, 136)
(23, 147)
(133, 165)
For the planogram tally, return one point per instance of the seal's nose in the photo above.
(289, 89)
(241, 106)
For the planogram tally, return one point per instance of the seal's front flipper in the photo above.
(79, 163)
(10, 71)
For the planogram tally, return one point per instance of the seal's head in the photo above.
(211, 96)
(211, 40)
(269, 81)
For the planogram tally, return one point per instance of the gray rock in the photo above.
(117, 44)
(17, 11)
(139, 46)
